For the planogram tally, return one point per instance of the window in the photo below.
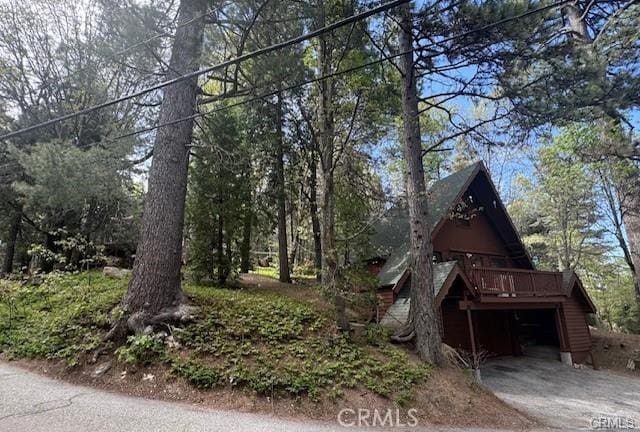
(437, 257)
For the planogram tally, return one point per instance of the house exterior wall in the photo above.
(455, 327)
(479, 238)
(576, 329)
(386, 299)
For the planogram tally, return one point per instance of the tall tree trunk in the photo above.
(625, 219)
(12, 238)
(327, 144)
(222, 274)
(631, 219)
(283, 254)
(295, 249)
(245, 247)
(315, 219)
(295, 235)
(424, 323)
(155, 282)
(50, 244)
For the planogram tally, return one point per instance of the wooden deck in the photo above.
(510, 283)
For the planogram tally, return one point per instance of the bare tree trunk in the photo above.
(631, 219)
(295, 232)
(424, 321)
(50, 243)
(245, 247)
(222, 274)
(315, 220)
(625, 218)
(283, 254)
(327, 144)
(295, 249)
(155, 282)
(12, 238)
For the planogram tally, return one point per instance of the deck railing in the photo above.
(516, 282)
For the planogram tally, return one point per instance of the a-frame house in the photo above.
(489, 294)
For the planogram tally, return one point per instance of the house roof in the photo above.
(391, 237)
(392, 230)
(398, 312)
(441, 272)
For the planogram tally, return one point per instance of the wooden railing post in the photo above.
(533, 284)
(493, 281)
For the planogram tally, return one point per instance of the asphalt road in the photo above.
(33, 403)
(564, 397)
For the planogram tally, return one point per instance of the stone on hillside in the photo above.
(101, 369)
(631, 365)
(115, 272)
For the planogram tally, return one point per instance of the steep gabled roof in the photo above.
(392, 230)
(444, 274)
(391, 237)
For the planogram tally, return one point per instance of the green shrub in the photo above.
(267, 343)
(60, 318)
(141, 350)
(196, 373)
(377, 335)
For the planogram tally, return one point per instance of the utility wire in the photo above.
(275, 47)
(263, 95)
(337, 73)
(282, 45)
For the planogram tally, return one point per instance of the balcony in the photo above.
(503, 282)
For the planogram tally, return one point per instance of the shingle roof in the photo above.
(441, 272)
(391, 236)
(398, 312)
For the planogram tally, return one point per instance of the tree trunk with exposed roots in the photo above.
(155, 291)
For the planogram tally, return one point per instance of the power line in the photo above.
(304, 83)
(275, 47)
(337, 73)
(263, 95)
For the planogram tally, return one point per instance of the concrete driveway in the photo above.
(565, 397)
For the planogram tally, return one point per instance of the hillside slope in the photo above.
(251, 349)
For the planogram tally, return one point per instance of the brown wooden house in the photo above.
(489, 293)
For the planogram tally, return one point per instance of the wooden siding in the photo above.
(479, 237)
(385, 295)
(455, 326)
(576, 328)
